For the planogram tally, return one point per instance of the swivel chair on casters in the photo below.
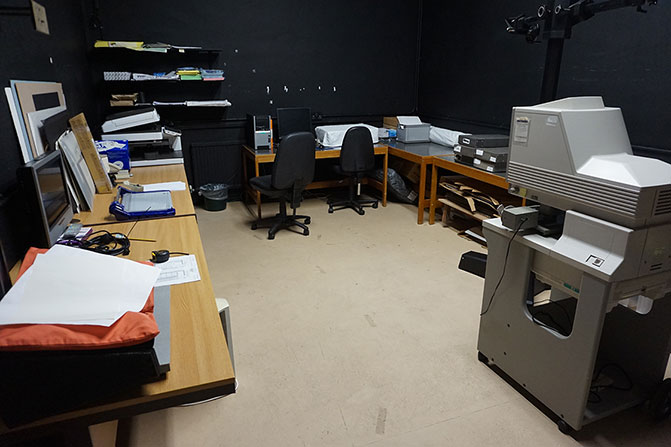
(293, 170)
(357, 156)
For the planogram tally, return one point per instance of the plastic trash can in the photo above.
(215, 196)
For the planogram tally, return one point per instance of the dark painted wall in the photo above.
(472, 72)
(347, 61)
(25, 55)
(366, 50)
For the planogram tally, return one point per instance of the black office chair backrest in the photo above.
(294, 162)
(357, 153)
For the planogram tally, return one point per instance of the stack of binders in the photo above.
(189, 74)
(486, 152)
(212, 75)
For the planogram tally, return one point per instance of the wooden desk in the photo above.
(422, 154)
(200, 366)
(181, 200)
(447, 162)
(268, 156)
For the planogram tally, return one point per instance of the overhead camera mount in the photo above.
(554, 22)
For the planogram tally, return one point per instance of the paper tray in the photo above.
(138, 205)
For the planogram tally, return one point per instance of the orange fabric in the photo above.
(131, 329)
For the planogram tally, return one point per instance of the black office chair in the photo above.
(293, 170)
(357, 157)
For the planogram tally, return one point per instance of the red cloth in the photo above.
(131, 329)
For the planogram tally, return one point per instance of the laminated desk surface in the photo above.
(199, 359)
(419, 149)
(181, 200)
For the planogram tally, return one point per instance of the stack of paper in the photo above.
(189, 74)
(211, 103)
(212, 75)
(73, 286)
(171, 76)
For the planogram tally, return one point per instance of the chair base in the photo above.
(282, 221)
(353, 200)
(355, 204)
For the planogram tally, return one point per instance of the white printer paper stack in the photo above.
(141, 128)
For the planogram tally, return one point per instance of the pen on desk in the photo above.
(141, 239)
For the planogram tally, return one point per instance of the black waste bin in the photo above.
(215, 196)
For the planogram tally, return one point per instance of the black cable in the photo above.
(505, 264)
(557, 327)
(630, 383)
(594, 389)
(106, 243)
(569, 320)
(179, 253)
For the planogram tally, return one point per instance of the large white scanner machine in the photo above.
(575, 154)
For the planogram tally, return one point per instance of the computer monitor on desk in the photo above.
(293, 119)
(47, 200)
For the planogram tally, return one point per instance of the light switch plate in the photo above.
(40, 16)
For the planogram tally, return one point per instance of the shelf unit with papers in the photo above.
(169, 51)
(121, 59)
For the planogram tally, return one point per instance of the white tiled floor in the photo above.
(362, 333)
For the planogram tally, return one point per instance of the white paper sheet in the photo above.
(72, 286)
(211, 103)
(166, 186)
(178, 270)
(408, 120)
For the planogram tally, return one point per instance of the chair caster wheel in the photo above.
(564, 427)
(254, 226)
(482, 358)
(306, 232)
(361, 212)
(307, 221)
(375, 205)
(330, 210)
(271, 236)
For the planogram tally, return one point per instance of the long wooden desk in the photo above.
(447, 162)
(181, 200)
(423, 154)
(200, 366)
(267, 156)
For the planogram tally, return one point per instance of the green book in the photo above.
(191, 77)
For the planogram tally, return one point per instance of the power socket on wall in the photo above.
(40, 16)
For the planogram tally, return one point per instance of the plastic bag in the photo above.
(214, 191)
(396, 185)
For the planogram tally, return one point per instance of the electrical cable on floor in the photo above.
(505, 264)
(595, 389)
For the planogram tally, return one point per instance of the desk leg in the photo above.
(257, 194)
(434, 190)
(422, 191)
(104, 435)
(384, 178)
(245, 179)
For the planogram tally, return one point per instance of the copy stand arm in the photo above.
(557, 19)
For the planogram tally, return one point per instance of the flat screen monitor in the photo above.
(48, 203)
(293, 119)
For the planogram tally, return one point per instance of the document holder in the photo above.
(139, 204)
